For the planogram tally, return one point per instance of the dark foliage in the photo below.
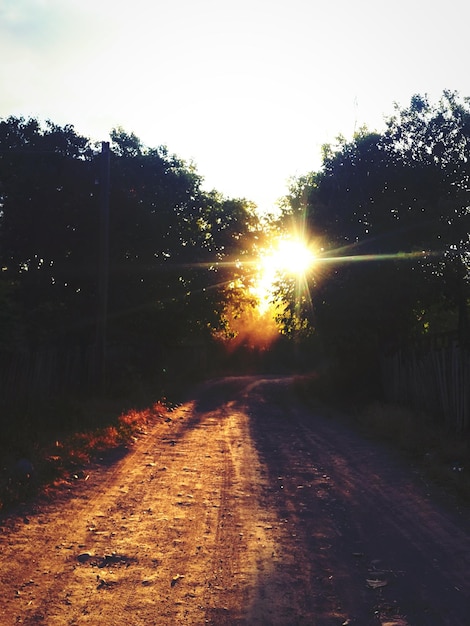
(169, 243)
(392, 212)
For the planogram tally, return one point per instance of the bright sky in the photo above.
(247, 89)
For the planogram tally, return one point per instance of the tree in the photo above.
(351, 206)
(47, 190)
(174, 248)
(398, 200)
(174, 255)
(435, 140)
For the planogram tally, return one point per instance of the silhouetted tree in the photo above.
(393, 194)
(174, 249)
(47, 225)
(435, 141)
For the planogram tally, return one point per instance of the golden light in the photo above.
(289, 255)
(292, 256)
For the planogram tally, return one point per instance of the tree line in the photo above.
(174, 249)
(390, 213)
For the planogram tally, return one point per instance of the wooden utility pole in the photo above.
(103, 268)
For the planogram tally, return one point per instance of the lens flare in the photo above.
(291, 257)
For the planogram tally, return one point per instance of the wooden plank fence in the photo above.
(434, 378)
(35, 376)
(29, 378)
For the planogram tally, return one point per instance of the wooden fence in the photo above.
(434, 377)
(30, 378)
(34, 376)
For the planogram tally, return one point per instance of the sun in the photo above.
(289, 256)
(292, 256)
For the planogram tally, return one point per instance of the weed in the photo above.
(58, 456)
(441, 454)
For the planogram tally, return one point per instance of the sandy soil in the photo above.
(245, 508)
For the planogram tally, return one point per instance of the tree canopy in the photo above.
(389, 214)
(174, 249)
(392, 212)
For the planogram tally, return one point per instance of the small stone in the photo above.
(376, 583)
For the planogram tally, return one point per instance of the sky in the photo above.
(248, 90)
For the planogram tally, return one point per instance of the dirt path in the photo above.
(246, 508)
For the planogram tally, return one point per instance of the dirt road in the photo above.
(245, 508)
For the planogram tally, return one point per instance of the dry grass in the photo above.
(58, 458)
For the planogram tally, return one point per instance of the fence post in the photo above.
(103, 270)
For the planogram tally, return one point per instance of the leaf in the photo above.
(176, 579)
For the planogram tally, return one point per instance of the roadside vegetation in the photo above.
(38, 462)
(439, 453)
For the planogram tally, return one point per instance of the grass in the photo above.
(35, 461)
(441, 455)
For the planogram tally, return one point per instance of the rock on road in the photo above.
(246, 508)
